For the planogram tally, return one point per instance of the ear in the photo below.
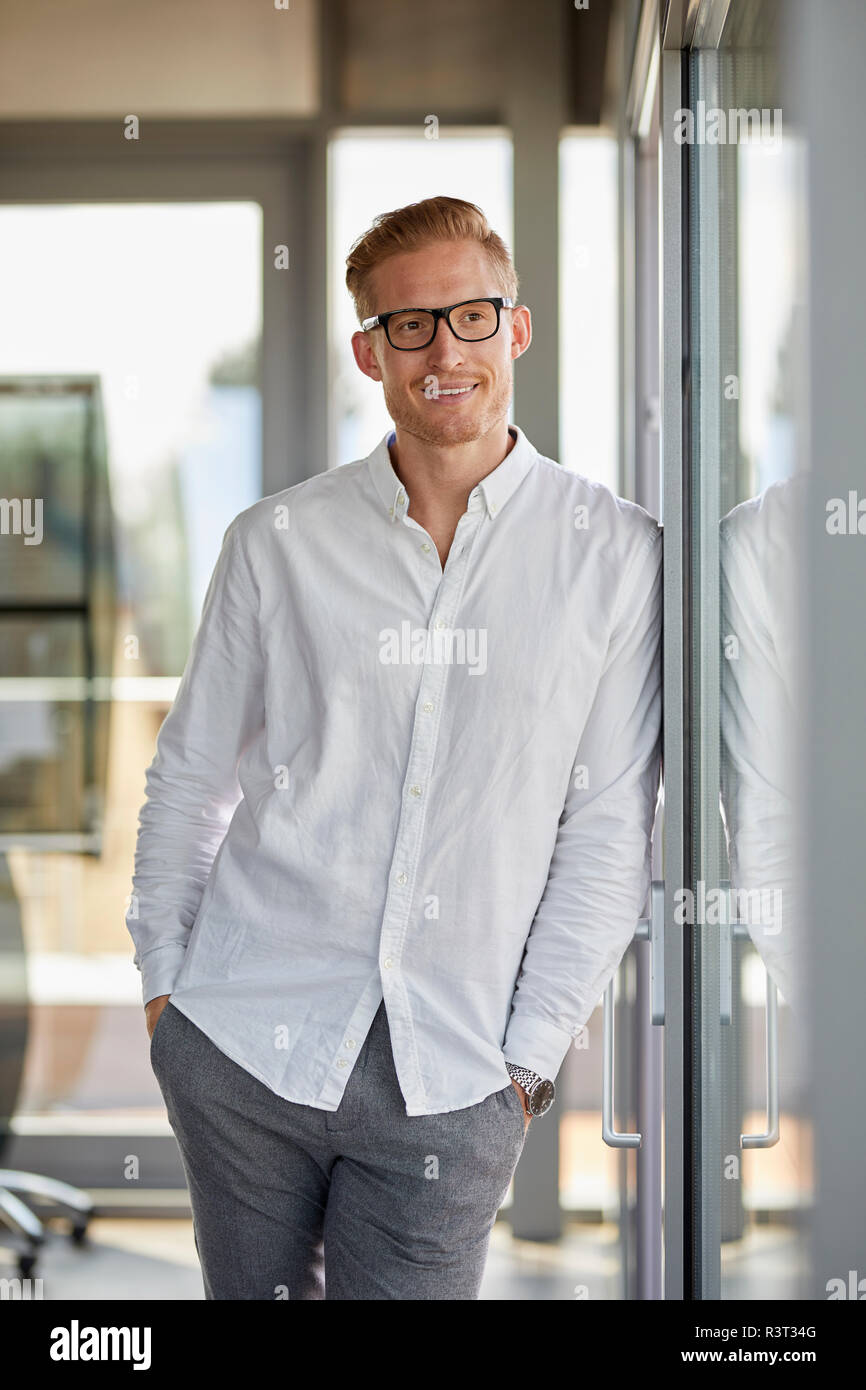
(521, 330)
(365, 355)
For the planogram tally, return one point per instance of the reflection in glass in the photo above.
(747, 315)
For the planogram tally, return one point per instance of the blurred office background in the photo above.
(179, 186)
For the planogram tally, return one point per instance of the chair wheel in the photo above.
(26, 1265)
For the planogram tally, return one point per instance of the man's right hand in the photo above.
(152, 1011)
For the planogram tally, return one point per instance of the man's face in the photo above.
(444, 272)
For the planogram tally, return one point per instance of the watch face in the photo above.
(542, 1097)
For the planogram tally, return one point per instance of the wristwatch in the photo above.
(540, 1094)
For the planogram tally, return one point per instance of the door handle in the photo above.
(648, 929)
(770, 1135)
(738, 931)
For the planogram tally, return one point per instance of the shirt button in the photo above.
(401, 498)
(425, 546)
(387, 962)
(350, 1042)
(402, 878)
(415, 791)
(439, 623)
(427, 706)
(341, 1062)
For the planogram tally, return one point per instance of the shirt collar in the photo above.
(492, 492)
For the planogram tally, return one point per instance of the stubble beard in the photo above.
(420, 422)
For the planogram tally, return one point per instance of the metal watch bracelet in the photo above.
(524, 1077)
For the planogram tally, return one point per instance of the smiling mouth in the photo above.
(450, 393)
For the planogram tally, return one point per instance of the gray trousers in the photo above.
(364, 1202)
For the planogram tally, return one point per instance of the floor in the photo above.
(154, 1259)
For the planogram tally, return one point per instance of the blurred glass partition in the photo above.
(130, 405)
(57, 608)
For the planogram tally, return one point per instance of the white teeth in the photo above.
(454, 390)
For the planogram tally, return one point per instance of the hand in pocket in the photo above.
(153, 1010)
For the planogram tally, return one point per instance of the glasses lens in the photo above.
(476, 319)
(412, 328)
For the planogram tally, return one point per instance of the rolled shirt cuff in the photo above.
(536, 1043)
(159, 970)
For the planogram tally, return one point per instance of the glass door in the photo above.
(739, 1191)
(747, 311)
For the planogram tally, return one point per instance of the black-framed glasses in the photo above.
(410, 329)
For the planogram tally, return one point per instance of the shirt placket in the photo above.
(407, 848)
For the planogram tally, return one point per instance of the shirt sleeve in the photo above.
(601, 868)
(759, 758)
(192, 786)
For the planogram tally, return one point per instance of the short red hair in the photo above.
(415, 226)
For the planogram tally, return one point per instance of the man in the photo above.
(398, 826)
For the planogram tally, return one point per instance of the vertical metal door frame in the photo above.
(639, 217)
(690, 34)
(702, 261)
(675, 424)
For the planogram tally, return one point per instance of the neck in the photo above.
(439, 478)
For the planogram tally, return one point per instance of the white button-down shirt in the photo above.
(382, 778)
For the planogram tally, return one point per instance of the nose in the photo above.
(446, 349)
